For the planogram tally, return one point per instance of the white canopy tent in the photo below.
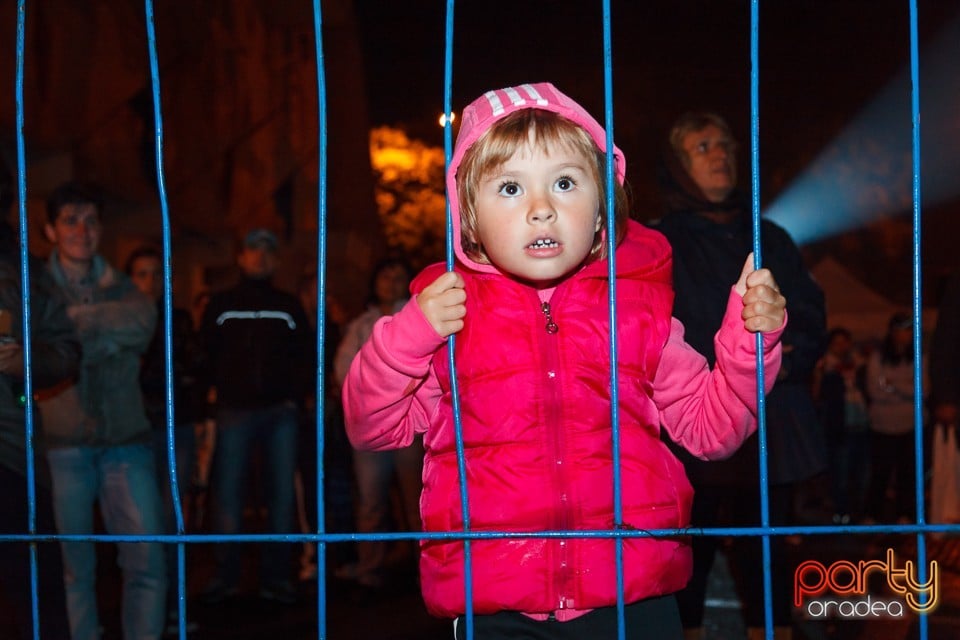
(852, 304)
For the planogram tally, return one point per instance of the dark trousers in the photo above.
(892, 459)
(716, 506)
(337, 474)
(651, 619)
(15, 561)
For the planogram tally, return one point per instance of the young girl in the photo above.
(528, 304)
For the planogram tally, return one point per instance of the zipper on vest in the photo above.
(563, 572)
(551, 326)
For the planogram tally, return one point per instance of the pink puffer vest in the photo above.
(536, 422)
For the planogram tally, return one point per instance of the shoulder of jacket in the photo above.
(645, 254)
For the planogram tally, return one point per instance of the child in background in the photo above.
(840, 388)
(890, 387)
(528, 304)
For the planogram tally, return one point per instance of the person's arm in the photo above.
(106, 328)
(55, 346)
(389, 392)
(189, 356)
(347, 349)
(302, 355)
(209, 339)
(711, 413)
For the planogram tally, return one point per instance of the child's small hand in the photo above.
(443, 303)
(763, 305)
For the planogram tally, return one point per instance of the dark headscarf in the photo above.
(682, 195)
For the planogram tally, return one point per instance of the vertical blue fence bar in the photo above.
(25, 319)
(757, 263)
(452, 341)
(167, 317)
(917, 306)
(612, 301)
(321, 317)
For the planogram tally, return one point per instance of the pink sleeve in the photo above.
(390, 391)
(711, 413)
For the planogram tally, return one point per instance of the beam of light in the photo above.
(865, 173)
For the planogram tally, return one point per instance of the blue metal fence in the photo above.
(321, 538)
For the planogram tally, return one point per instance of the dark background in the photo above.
(821, 63)
(240, 109)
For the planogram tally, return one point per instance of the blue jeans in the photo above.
(123, 480)
(375, 472)
(185, 451)
(273, 432)
(850, 472)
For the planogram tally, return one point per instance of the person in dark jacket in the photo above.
(145, 268)
(257, 339)
(708, 223)
(55, 353)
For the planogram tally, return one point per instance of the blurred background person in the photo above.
(206, 431)
(100, 444)
(257, 340)
(709, 225)
(375, 472)
(840, 387)
(337, 464)
(144, 266)
(55, 362)
(890, 385)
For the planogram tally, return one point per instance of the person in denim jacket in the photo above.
(97, 432)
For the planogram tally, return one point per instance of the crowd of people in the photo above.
(527, 307)
(244, 369)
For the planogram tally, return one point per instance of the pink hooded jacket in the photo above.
(535, 409)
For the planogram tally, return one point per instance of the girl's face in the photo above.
(538, 214)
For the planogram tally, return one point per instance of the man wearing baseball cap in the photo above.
(257, 340)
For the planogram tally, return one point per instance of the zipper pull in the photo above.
(551, 325)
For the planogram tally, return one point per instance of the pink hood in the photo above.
(480, 115)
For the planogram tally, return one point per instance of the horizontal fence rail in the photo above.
(322, 538)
